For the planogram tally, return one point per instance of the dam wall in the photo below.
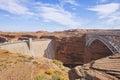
(38, 48)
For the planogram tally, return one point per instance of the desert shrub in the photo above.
(49, 72)
(58, 75)
(55, 77)
(39, 77)
(22, 56)
(3, 66)
(57, 62)
(30, 58)
(35, 62)
(15, 62)
(23, 60)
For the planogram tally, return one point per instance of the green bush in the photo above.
(49, 72)
(55, 77)
(58, 63)
(58, 75)
(39, 77)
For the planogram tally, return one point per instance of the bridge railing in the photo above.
(6, 43)
(110, 33)
(115, 41)
(21, 41)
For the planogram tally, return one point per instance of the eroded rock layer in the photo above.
(103, 69)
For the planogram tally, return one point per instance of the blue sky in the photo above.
(55, 15)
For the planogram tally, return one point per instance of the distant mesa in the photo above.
(41, 32)
(23, 38)
(29, 36)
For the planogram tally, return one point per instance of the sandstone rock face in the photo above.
(70, 50)
(103, 69)
(2, 39)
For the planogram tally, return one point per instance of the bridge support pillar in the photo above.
(30, 43)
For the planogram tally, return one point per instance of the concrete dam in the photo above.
(35, 48)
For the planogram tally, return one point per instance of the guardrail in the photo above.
(6, 43)
(21, 41)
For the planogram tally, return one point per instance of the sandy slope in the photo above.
(20, 67)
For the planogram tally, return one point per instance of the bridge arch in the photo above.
(104, 40)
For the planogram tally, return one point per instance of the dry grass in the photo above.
(21, 67)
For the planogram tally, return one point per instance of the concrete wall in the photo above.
(36, 48)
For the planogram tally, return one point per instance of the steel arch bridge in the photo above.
(111, 40)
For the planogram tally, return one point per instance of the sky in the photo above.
(58, 15)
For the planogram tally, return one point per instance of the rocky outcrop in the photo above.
(103, 69)
(3, 39)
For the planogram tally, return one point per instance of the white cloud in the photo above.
(14, 7)
(109, 14)
(102, 1)
(105, 9)
(59, 15)
(72, 2)
(49, 12)
(113, 20)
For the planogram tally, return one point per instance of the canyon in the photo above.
(70, 48)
